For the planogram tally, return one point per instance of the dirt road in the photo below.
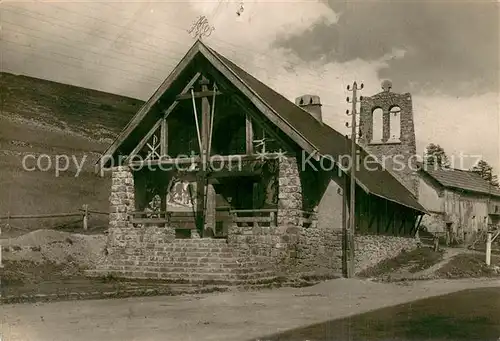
(226, 316)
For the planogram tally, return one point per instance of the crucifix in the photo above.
(205, 203)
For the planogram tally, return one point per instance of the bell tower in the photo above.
(387, 131)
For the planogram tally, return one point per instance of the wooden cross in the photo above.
(205, 137)
(153, 149)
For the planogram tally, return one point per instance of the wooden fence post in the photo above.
(488, 249)
(85, 216)
(273, 219)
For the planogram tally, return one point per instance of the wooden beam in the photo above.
(416, 225)
(260, 121)
(205, 117)
(164, 137)
(201, 185)
(167, 161)
(185, 91)
(403, 221)
(145, 139)
(249, 135)
(197, 159)
(200, 94)
(390, 222)
(211, 125)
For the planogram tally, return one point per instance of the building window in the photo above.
(377, 125)
(395, 124)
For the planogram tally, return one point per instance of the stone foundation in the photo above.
(319, 250)
(122, 197)
(140, 238)
(260, 244)
(289, 194)
(371, 250)
(249, 255)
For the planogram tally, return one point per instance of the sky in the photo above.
(445, 53)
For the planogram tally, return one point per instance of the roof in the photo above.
(461, 180)
(327, 140)
(311, 135)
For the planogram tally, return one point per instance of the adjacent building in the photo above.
(459, 199)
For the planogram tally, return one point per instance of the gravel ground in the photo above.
(228, 316)
(54, 246)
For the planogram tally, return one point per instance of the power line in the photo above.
(83, 61)
(38, 55)
(135, 71)
(180, 55)
(177, 56)
(154, 28)
(121, 26)
(120, 75)
(149, 33)
(72, 27)
(77, 48)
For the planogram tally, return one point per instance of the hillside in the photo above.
(43, 117)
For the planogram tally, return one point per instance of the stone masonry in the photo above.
(123, 236)
(290, 205)
(319, 250)
(122, 196)
(250, 255)
(371, 249)
(275, 246)
(405, 149)
(289, 193)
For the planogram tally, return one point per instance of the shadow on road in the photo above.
(465, 315)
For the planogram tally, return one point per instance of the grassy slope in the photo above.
(415, 260)
(469, 265)
(42, 117)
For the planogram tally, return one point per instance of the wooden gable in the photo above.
(173, 115)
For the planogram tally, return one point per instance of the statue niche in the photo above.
(181, 195)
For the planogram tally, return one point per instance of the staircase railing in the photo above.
(179, 220)
(147, 217)
(256, 217)
(308, 218)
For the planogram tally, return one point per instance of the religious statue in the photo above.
(154, 207)
(182, 194)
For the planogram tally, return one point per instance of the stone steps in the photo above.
(187, 257)
(234, 264)
(192, 248)
(181, 269)
(189, 261)
(192, 277)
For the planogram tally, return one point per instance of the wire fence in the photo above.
(84, 213)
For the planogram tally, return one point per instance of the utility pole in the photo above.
(349, 232)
